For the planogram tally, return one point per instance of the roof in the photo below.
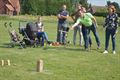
(15, 3)
(9, 7)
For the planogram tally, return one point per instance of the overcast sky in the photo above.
(102, 2)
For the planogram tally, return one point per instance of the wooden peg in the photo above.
(40, 66)
(8, 62)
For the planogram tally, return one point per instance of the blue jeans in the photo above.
(108, 33)
(61, 36)
(79, 29)
(84, 32)
(58, 33)
(41, 36)
(93, 29)
(87, 37)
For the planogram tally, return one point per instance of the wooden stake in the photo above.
(8, 62)
(40, 66)
(2, 62)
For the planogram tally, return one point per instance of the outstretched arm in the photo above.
(74, 25)
(95, 21)
(72, 16)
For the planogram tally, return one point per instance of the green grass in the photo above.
(60, 63)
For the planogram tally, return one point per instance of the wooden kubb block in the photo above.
(3, 62)
(8, 62)
(40, 66)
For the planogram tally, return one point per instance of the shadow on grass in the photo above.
(5, 45)
(59, 48)
(65, 48)
(9, 45)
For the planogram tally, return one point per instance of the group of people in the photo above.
(84, 22)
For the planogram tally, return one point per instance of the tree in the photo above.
(84, 3)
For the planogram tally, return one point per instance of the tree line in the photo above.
(51, 7)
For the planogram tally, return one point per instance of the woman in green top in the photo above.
(89, 22)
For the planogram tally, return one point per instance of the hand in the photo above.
(61, 16)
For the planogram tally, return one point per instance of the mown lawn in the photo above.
(60, 63)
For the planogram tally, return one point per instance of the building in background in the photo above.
(10, 7)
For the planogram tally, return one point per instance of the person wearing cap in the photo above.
(88, 21)
(111, 24)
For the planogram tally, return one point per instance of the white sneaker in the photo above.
(114, 52)
(105, 52)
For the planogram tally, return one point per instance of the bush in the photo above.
(103, 14)
(4, 17)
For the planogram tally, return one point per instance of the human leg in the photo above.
(113, 39)
(74, 35)
(93, 28)
(80, 34)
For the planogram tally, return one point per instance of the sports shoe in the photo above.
(105, 52)
(114, 52)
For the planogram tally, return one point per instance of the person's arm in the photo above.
(93, 18)
(74, 25)
(105, 22)
(73, 14)
(64, 17)
(116, 22)
(59, 16)
(73, 18)
(95, 21)
(42, 28)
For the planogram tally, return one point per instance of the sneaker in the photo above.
(105, 52)
(114, 52)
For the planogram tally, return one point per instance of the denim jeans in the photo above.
(79, 29)
(41, 37)
(58, 33)
(108, 33)
(61, 36)
(86, 33)
(93, 29)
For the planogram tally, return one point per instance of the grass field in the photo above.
(60, 63)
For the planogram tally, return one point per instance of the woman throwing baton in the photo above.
(87, 20)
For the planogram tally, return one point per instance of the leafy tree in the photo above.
(46, 7)
(84, 3)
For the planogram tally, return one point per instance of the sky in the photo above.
(102, 2)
